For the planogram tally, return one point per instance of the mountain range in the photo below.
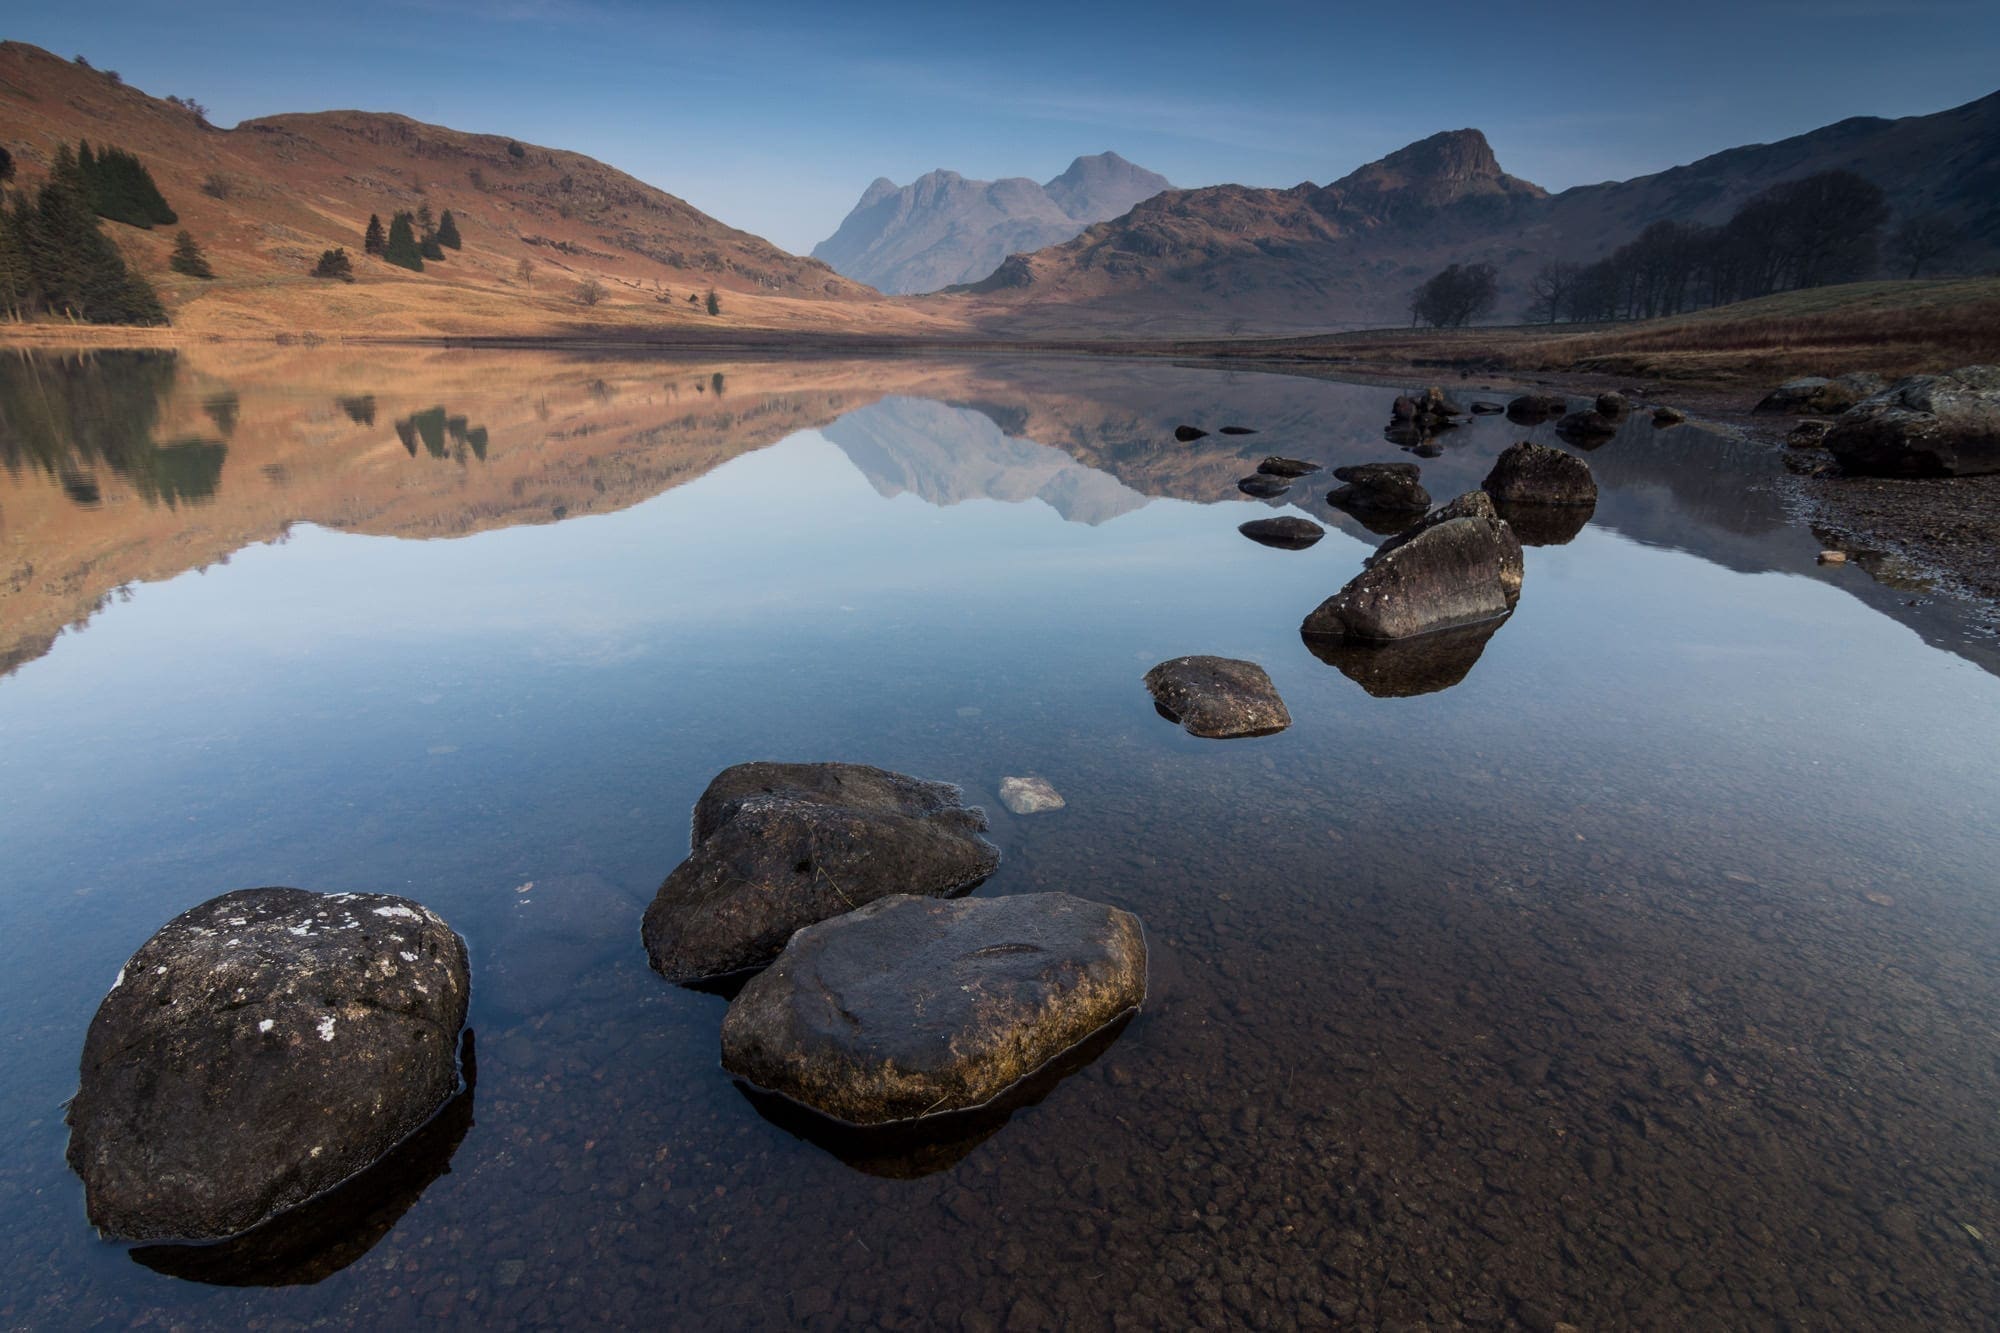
(545, 228)
(942, 229)
(1348, 254)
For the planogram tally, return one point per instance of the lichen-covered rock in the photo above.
(1278, 466)
(1218, 697)
(1385, 487)
(910, 1007)
(781, 846)
(1457, 572)
(1473, 504)
(1536, 474)
(1287, 531)
(1925, 426)
(258, 1050)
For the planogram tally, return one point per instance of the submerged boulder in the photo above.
(259, 1050)
(1925, 426)
(1030, 795)
(1456, 572)
(1536, 474)
(1277, 466)
(1388, 487)
(1218, 697)
(1288, 532)
(909, 1007)
(781, 846)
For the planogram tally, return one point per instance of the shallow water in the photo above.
(1637, 964)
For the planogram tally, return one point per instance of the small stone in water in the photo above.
(1833, 557)
(1029, 796)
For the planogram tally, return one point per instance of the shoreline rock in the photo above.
(1925, 426)
(1537, 474)
(1457, 572)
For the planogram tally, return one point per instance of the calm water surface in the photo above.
(1636, 965)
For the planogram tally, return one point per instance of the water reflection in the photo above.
(1405, 668)
(69, 416)
(317, 1239)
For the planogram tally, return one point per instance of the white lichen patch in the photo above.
(303, 930)
(326, 1028)
(398, 911)
(118, 980)
(407, 956)
(267, 1024)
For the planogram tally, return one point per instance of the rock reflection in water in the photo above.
(916, 1148)
(1546, 525)
(317, 1239)
(1405, 668)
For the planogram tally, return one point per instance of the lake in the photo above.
(1635, 962)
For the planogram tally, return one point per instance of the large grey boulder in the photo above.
(1925, 426)
(1473, 504)
(1457, 572)
(780, 846)
(1538, 474)
(910, 1007)
(1218, 697)
(257, 1051)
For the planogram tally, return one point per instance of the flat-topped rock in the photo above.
(1457, 572)
(780, 846)
(1819, 396)
(1287, 532)
(1218, 697)
(1925, 426)
(1263, 485)
(1278, 466)
(911, 1007)
(259, 1050)
(1537, 474)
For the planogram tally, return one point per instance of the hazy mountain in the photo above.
(942, 228)
(1348, 254)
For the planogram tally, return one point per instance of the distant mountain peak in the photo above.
(942, 229)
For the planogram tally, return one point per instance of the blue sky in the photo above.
(774, 117)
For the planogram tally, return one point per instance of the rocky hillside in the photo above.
(1347, 255)
(267, 197)
(942, 228)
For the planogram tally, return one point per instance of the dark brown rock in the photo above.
(781, 846)
(1926, 426)
(1533, 407)
(909, 1007)
(1380, 486)
(1668, 416)
(259, 1050)
(1239, 430)
(1458, 572)
(1289, 532)
(1218, 697)
(1592, 426)
(1536, 474)
(1187, 434)
(1473, 504)
(1613, 405)
(1263, 485)
(1287, 467)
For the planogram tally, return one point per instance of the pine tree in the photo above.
(401, 249)
(14, 275)
(447, 232)
(334, 264)
(120, 188)
(714, 306)
(188, 258)
(71, 267)
(429, 247)
(373, 241)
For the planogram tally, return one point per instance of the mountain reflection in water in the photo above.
(1630, 962)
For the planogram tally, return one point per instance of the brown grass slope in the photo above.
(295, 185)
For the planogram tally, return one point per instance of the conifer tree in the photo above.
(334, 264)
(120, 188)
(66, 265)
(429, 247)
(373, 241)
(714, 306)
(401, 249)
(188, 258)
(447, 232)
